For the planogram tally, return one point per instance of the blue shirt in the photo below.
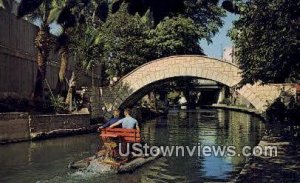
(128, 122)
(110, 122)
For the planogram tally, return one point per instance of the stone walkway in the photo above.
(283, 168)
(236, 108)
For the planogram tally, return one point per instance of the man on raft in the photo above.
(113, 120)
(128, 122)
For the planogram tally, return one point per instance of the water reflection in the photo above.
(32, 161)
(207, 127)
(46, 161)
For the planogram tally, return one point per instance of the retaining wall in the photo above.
(16, 127)
(44, 126)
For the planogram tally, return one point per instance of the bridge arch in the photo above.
(139, 81)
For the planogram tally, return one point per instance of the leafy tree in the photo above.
(177, 35)
(266, 36)
(180, 24)
(202, 11)
(123, 36)
(70, 16)
(83, 43)
(207, 15)
(177, 29)
(66, 13)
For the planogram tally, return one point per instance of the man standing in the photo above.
(128, 122)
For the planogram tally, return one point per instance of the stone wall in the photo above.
(14, 127)
(44, 126)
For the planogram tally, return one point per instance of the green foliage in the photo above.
(266, 36)
(85, 41)
(124, 44)
(176, 35)
(58, 104)
(173, 96)
(129, 37)
(87, 51)
(206, 15)
(204, 12)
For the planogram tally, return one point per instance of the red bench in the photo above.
(125, 135)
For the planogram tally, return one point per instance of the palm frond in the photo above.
(54, 14)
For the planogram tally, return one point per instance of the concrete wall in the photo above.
(44, 126)
(18, 57)
(15, 127)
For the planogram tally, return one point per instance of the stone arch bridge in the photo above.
(143, 79)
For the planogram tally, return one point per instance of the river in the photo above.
(46, 161)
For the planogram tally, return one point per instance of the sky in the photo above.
(220, 40)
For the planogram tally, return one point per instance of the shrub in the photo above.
(58, 105)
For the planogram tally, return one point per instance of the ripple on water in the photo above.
(90, 174)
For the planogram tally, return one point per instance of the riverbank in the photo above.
(236, 108)
(283, 168)
(22, 126)
(17, 127)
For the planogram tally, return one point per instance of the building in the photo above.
(228, 55)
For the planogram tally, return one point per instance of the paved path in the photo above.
(283, 168)
(236, 108)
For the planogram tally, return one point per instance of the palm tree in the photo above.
(47, 12)
(75, 22)
(62, 46)
(39, 10)
(61, 13)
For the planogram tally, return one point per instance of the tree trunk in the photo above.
(64, 58)
(72, 85)
(43, 44)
